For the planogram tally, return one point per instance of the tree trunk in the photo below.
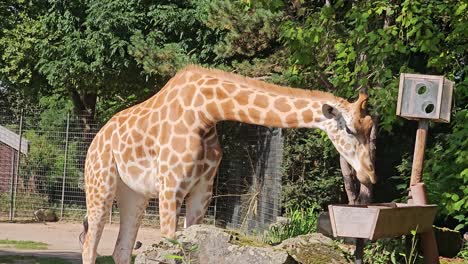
(85, 107)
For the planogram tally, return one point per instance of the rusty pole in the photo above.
(418, 193)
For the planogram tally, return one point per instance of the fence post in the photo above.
(216, 198)
(65, 165)
(16, 175)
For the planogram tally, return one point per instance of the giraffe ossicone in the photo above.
(167, 147)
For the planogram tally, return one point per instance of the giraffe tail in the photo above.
(85, 230)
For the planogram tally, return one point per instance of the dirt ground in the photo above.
(62, 239)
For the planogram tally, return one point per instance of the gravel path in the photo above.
(62, 239)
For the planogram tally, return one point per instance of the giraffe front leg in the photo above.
(169, 208)
(131, 207)
(98, 207)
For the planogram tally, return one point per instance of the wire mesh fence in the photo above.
(42, 158)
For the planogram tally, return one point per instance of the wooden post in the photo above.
(418, 193)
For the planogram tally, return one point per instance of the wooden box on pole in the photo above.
(424, 97)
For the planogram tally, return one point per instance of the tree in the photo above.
(354, 44)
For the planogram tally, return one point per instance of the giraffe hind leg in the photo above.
(197, 202)
(131, 207)
(199, 196)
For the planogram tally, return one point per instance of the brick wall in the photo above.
(7, 153)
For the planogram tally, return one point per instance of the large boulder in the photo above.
(210, 245)
(314, 248)
(45, 215)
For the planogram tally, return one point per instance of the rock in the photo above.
(205, 244)
(138, 245)
(314, 248)
(212, 246)
(45, 215)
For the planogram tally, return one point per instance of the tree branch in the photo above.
(324, 80)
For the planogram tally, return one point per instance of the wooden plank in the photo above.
(350, 221)
(401, 220)
(439, 97)
(400, 94)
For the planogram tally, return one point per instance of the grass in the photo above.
(48, 260)
(31, 260)
(22, 244)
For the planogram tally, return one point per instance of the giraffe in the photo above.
(167, 147)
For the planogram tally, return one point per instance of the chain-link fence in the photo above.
(42, 157)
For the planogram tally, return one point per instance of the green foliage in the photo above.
(23, 203)
(300, 222)
(248, 28)
(110, 260)
(393, 251)
(311, 172)
(103, 56)
(349, 45)
(463, 254)
(45, 161)
(446, 171)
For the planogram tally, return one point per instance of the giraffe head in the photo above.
(349, 129)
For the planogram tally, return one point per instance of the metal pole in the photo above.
(18, 158)
(65, 165)
(216, 198)
(12, 180)
(359, 251)
(418, 194)
(215, 209)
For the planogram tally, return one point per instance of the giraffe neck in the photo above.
(236, 98)
(278, 110)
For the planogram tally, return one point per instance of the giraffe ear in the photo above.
(329, 111)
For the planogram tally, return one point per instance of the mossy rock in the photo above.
(314, 249)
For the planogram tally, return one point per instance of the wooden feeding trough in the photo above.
(376, 221)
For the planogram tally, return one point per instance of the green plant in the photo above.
(413, 254)
(464, 252)
(393, 251)
(110, 260)
(187, 251)
(24, 202)
(299, 222)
